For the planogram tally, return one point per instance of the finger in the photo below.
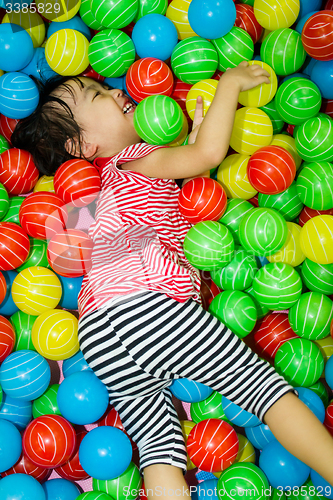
(244, 64)
(198, 114)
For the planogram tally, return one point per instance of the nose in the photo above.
(116, 93)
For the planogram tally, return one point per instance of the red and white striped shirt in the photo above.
(138, 237)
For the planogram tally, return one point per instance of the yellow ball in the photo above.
(276, 14)
(287, 142)
(45, 183)
(187, 426)
(232, 175)
(205, 88)
(252, 130)
(291, 253)
(54, 334)
(262, 94)
(58, 10)
(31, 22)
(177, 12)
(1, 72)
(326, 347)
(182, 136)
(66, 51)
(317, 239)
(36, 290)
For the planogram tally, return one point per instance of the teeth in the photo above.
(127, 107)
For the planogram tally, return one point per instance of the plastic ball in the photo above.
(190, 391)
(14, 246)
(18, 172)
(246, 19)
(60, 11)
(177, 12)
(74, 364)
(232, 217)
(273, 331)
(12, 214)
(4, 199)
(77, 182)
(154, 35)
(329, 372)
(211, 407)
(28, 468)
(287, 203)
(311, 316)
(246, 451)
(321, 484)
(147, 77)
(318, 277)
(3, 287)
(312, 401)
(314, 185)
(236, 310)
(12, 486)
(72, 470)
(151, 7)
(202, 199)
(308, 213)
(31, 22)
(7, 306)
(88, 17)
(261, 94)
(233, 48)
(317, 35)
(287, 142)
(10, 445)
(16, 47)
(60, 488)
(36, 256)
(100, 454)
(277, 13)
(259, 436)
(111, 53)
(326, 346)
(7, 338)
(47, 404)
(271, 111)
(206, 89)
(16, 411)
(297, 100)
(210, 18)
(283, 51)
(313, 139)
(252, 130)
(209, 245)
(206, 489)
(232, 175)
(24, 375)
(321, 75)
(7, 126)
(66, 52)
(320, 389)
(129, 481)
(238, 274)
(93, 495)
(70, 291)
(114, 14)
(241, 478)
(194, 59)
(69, 253)
(291, 253)
(237, 416)
(317, 239)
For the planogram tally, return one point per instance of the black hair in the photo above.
(45, 132)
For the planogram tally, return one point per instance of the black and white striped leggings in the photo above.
(140, 345)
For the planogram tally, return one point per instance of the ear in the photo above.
(88, 150)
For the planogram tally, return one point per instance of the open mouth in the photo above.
(129, 107)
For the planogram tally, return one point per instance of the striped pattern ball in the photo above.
(252, 130)
(202, 199)
(189, 391)
(88, 17)
(211, 407)
(206, 89)
(271, 111)
(283, 51)
(46, 404)
(31, 22)
(114, 13)
(246, 451)
(25, 466)
(317, 239)
(151, 7)
(130, 481)
(236, 310)
(315, 185)
(147, 77)
(242, 478)
(22, 324)
(182, 137)
(111, 52)
(317, 35)
(308, 213)
(209, 245)
(93, 495)
(232, 217)
(49, 441)
(262, 310)
(177, 12)
(179, 94)
(238, 274)
(263, 231)
(44, 183)
(259, 436)
(291, 253)
(319, 389)
(318, 277)
(69, 253)
(314, 139)
(12, 214)
(233, 48)
(73, 470)
(300, 362)
(19, 95)
(66, 52)
(232, 175)
(246, 20)
(287, 203)
(3, 287)
(297, 100)
(54, 334)
(77, 182)
(36, 290)
(276, 14)
(18, 172)
(271, 170)
(25, 375)
(287, 142)
(7, 126)
(212, 445)
(238, 416)
(37, 255)
(311, 316)
(194, 59)
(14, 246)
(7, 338)
(261, 94)
(273, 331)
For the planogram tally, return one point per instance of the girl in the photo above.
(141, 323)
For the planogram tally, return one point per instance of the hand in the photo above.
(197, 120)
(247, 77)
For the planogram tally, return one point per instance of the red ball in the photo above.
(246, 20)
(328, 422)
(14, 246)
(317, 35)
(18, 172)
(271, 170)
(147, 77)
(327, 106)
(49, 441)
(212, 445)
(308, 213)
(3, 287)
(77, 182)
(91, 73)
(7, 338)
(179, 94)
(7, 126)
(273, 331)
(254, 201)
(72, 470)
(208, 289)
(25, 466)
(69, 253)
(202, 199)
(328, 5)
(43, 214)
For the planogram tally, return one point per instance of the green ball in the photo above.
(233, 48)
(271, 111)
(282, 49)
(277, 286)
(287, 203)
(261, 309)
(311, 316)
(111, 52)
(23, 323)
(236, 208)
(88, 17)
(314, 185)
(209, 245)
(158, 119)
(130, 481)
(113, 13)
(321, 391)
(47, 403)
(314, 139)
(318, 277)
(236, 310)
(248, 2)
(12, 214)
(4, 145)
(194, 59)
(151, 7)
(300, 362)
(297, 100)
(263, 231)
(4, 201)
(37, 255)
(241, 478)
(210, 407)
(238, 274)
(94, 495)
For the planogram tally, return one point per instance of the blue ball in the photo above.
(60, 489)
(105, 452)
(70, 291)
(281, 467)
(325, 488)
(260, 436)
(39, 67)
(116, 83)
(207, 490)
(8, 306)
(322, 76)
(17, 411)
(16, 47)
(154, 35)
(329, 372)
(21, 487)
(75, 23)
(25, 375)
(312, 401)
(19, 95)
(82, 398)
(237, 415)
(211, 18)
(190, 391)
(307, 7)
(10, 446)
(302, 21)
(309, 63)
(76, 363)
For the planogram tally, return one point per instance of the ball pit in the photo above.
(252, 130)
(232, 174)
(277, 13)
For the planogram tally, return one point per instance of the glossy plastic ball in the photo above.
(237, 416)
(232, 175)
(16, 47)
(66, 52)
(313, 139)
(12, 214)
(47, 403)
(271, 111)
(7, 338)
(3, 287)
(69, 253)
(10, 445)
(322, 76)
(297, 100)
(210, 18)
(259, 436)
(17, 411)
(282, 49)
(74, 364)
(232, 217)
(308, 213)
(273, 331)
(312, 401)
(154, 35)
(211, 407)
(242, 477)
(70, 290)
(329, 372)
(36, 256)
(190, 391)
(114, 14)
(317, 239)
(77, 182)
(318, 277)
(233, 48)
(73, 470)
(14, 246)
(287, 203)
(22, 324)
(202, 199)
(317, 35)
(246, 19)
(277, 286)
(76, 23)
(111, 52)
(7, 306)
(177, 12)
(206, 89)
(291, 253)
(151, 7)
(287, 142)
(277, 13)
(194, 59)
(130, 480)
(12, 486)
(60, 488)
(314, 185)
(18, 172)
(252, 130)
(261, 94)
(311, 316)
(147, 77)
(27, 468)
(238, 274)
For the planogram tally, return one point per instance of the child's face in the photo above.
(105, 116)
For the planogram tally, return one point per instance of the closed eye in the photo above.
(96, 94)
